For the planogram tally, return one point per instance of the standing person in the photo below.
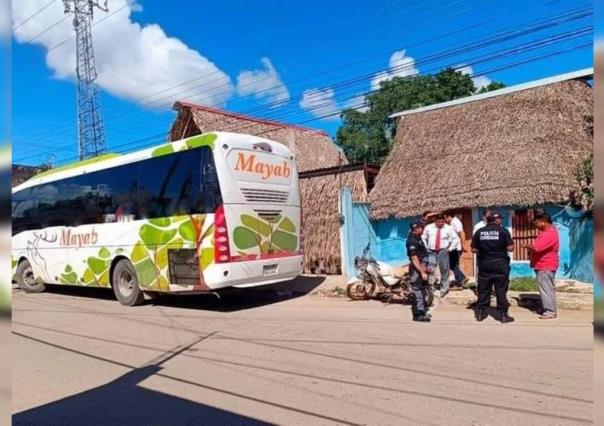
(417, 252)
(545, 261)
(439, 239)
(458, 248)
(427, 218)
(483, 222)
(492, 243)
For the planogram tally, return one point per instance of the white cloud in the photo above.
(358, 103)
(400, 65)
(5, 24)
(479, 81)
(320, 103)
(133, 61)
(264, 84)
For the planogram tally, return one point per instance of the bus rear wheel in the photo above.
(26, 279)
(125, 284)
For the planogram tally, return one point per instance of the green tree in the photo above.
(583, 192)
(366, 136)
(493, 85)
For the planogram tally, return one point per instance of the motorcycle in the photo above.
(376, 279)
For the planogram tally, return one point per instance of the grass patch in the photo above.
(516, 284)
(523, 284)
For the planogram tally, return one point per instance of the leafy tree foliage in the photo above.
(583, 192)
(366, 136)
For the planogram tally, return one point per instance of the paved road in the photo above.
(269, 356)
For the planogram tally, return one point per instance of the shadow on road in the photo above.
(124, 401)
(227, 300)
(529, 301)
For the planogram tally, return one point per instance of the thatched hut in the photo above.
(322, 166)
(21, 173)
(515, 148)
(313, 148)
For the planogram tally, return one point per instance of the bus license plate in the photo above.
(270, 269)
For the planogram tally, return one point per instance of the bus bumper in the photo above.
(253, 273)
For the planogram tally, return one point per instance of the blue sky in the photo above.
(291, 61)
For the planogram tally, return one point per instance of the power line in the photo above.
(544, 24)
(15, 28)
(477, 59)
(504, 67)
(205, 77)
(468, 62)
(46, 30)
(154, 138)
(504, 35)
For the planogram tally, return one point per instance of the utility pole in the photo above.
(91, 130)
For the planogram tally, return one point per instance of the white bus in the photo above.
(197, 215)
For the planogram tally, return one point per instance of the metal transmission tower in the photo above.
(91, 130)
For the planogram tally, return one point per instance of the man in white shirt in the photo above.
(440, 238)
(483, 222)
(458, 248)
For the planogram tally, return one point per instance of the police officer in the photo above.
(417, 252)
(492, 243)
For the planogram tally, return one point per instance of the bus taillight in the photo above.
(222, 252)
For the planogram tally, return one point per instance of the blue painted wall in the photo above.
(357, 231)
(388, 238)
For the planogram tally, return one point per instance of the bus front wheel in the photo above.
(26, 279)
(125, 284)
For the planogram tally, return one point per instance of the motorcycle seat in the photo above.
(402, 270)
(391, 280)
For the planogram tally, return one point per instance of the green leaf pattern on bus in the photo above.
(69, 276)
(256, 235)
(97, 270)
(150, 254)
(201, 140)
(191, 143)
(163, 150)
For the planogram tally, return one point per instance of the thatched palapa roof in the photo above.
(517, 148)
(21, 173)
(313, 148)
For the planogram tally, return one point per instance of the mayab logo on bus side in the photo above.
(248, 163)
(78, 239)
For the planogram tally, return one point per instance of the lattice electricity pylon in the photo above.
(91, 130)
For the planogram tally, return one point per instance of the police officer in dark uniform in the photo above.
(417, 252)
(492, 243)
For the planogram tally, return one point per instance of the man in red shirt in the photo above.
(545, 261)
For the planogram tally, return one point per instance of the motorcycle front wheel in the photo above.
(360, 290)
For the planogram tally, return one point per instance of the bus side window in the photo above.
(209, 193)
